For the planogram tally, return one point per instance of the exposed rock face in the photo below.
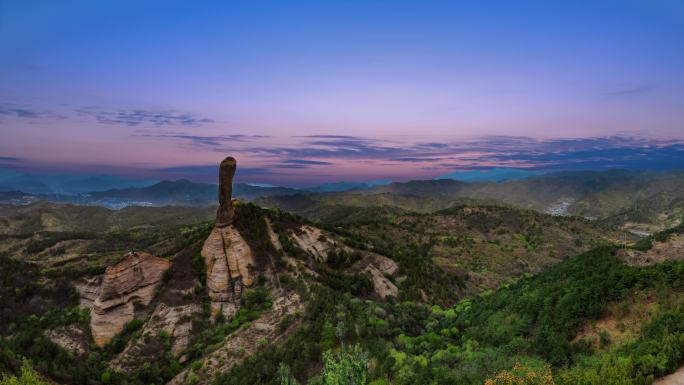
(228, 259)
(226, 254)
(174, 320)
(225, 213)
(88, 290)
(312, 240)
(132, 280)
(676, 378)
(246, 341)
(70, 337)
(378, 268)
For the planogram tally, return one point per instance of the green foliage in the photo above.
(521, 375)
(48, 239)
(346, 338)
(349, 367)
(253, 303)
(250, 221)
(357, 283)
(284, 376)
(340, 259)
(28, 376)
(199, 268)
(118, 343)
(646, 243)
(22, 292)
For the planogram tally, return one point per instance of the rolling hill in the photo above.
(646, 201)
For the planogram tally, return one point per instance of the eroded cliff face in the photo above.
(378, 268)
(176, 321)
(246, 341)
(312, 240)
(228, 259)
(131, 281)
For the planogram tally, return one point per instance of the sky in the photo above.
(304, 92)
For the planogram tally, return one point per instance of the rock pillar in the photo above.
(225, 213)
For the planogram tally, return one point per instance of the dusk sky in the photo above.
(308, 92)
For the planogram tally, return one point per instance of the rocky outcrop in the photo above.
(225, 213)
(73, 338)
(88, 290)
(244, 342)
(175, 321)
(125, 285)
(312, 240)
(379, 268)
(228, 259)
(226, 254)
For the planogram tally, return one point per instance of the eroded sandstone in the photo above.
(312, 240)
(125, 285)
(379, 268)
(228, 259)
(225, 213)
(245, 341)
(175, 321)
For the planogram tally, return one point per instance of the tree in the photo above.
(350, 367)
(28, 377)
(284, 375)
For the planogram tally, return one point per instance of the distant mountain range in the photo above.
(346, 186)
(74, 184)
(638, 200)
(166, 193)
(490, 175)
(65, 184)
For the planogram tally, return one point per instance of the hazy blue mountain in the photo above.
(181, 192)
(490, 175)
(65, 183)
(345, 186)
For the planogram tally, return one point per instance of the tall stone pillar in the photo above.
(225, 213)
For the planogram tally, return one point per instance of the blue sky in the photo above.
(302, 92)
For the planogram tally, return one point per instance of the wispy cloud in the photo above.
(141, 117)
(634, 90)
(409, 159)
(216, 143)
(14, 110)
(306, 162)
(516, 151)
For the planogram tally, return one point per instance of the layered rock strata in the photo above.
(228, 259)
(226, 254)
(244, 342)
(125, 285)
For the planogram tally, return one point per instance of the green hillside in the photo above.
(534, 329)
(484, 245)
(486, 294)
